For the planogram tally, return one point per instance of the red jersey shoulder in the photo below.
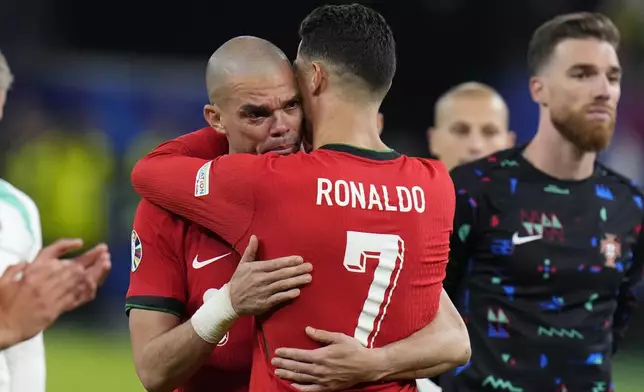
(205, 143)
(435, 172)
(157, 278)
(433, 165)
(158, 228)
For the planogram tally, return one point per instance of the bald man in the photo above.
(253, 94)
(471, 121)
(176, 266)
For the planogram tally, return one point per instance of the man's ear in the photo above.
(512, 139)
(538, 90)
(212, 115)
(318, 79)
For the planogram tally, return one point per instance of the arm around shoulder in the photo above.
(216, 194)
(442, 345)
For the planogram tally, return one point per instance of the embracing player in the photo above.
(377, 223)
(176, 265)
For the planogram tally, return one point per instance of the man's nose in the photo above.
(601, 89)
(281, 125)
(475, 144)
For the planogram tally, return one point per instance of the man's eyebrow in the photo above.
(459, 124)
(249, 107)
(615, 69)
(582, 67)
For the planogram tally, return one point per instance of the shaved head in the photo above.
(469, 90)
(471, 121)
(241, 57)
(254, 99)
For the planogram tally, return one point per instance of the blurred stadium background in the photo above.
(100, 84)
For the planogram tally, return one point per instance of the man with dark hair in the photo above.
(362, 50)
(569, 26)
(547, 246)
(359, 55)
(377, 223)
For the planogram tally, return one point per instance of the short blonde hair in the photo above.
(6, 77)
(465, 90)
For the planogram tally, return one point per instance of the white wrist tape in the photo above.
(215, 317)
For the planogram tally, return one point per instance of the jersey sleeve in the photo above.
(36, 229)
(157, 272)
(216, 194)
(205, 143)
(464, 225)
(626, 295)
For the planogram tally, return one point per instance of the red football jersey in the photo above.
(174, 263)
(375, 225)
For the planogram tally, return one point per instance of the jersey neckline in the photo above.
(362, 152)
(538, 174)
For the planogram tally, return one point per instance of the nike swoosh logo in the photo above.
(516, 240)
(196, 264)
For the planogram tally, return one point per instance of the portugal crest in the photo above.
(137, 251)
(611, 249)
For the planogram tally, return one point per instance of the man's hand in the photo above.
(97, 264)
(32, 296)
(341, 364)
(257, 286)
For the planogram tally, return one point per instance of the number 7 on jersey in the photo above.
(388, 251)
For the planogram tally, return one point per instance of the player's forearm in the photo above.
(421, 364)
(438, 347)
(172, 358)
(428, 373)
(26, 364)
(426, 354)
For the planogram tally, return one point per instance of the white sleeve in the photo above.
(26, 364)
(36, 229)
(26, 361)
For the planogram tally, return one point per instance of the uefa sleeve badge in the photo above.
(202, 182)
(137, 251)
